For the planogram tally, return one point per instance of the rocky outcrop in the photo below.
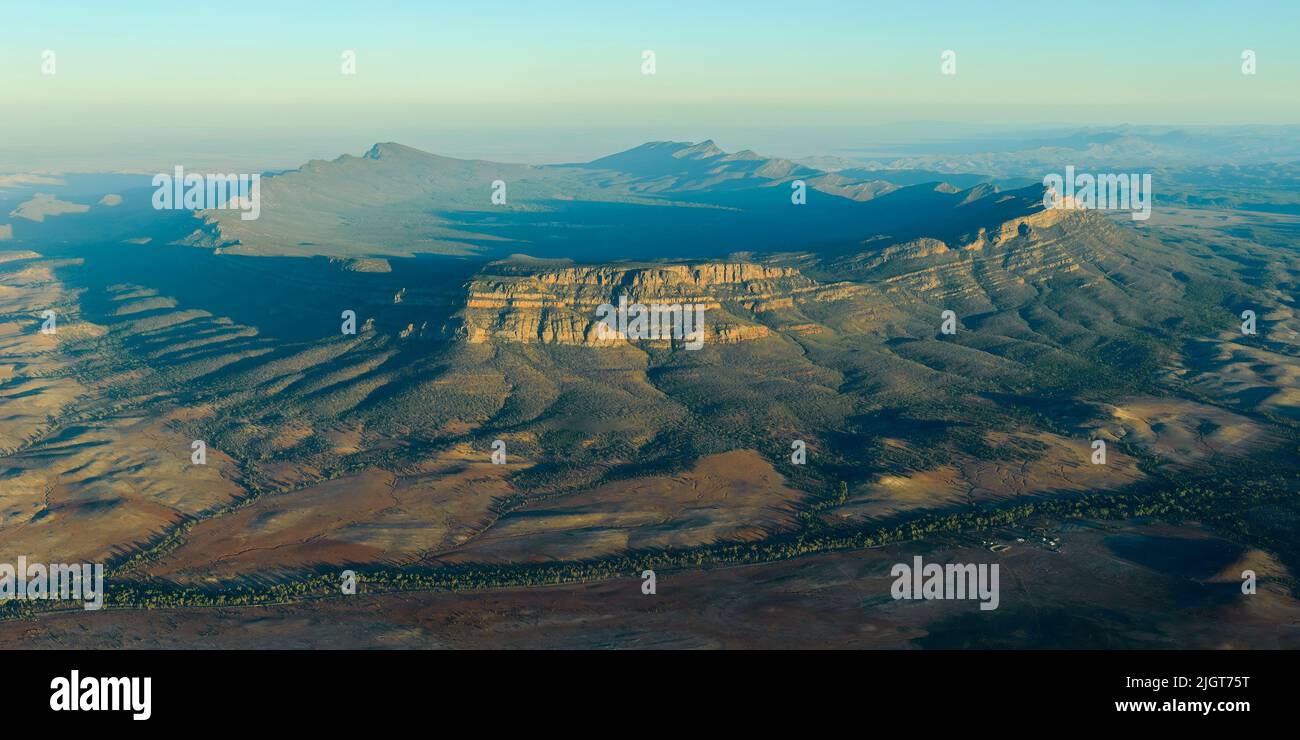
(561, 306)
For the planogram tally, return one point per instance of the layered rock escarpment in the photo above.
(891, 290)
(561, 306)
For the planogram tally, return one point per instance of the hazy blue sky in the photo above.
(174, 74)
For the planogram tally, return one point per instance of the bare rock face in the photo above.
(891, 291)
(560, 306)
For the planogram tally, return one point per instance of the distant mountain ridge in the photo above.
(681, 199)
(679, 165)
